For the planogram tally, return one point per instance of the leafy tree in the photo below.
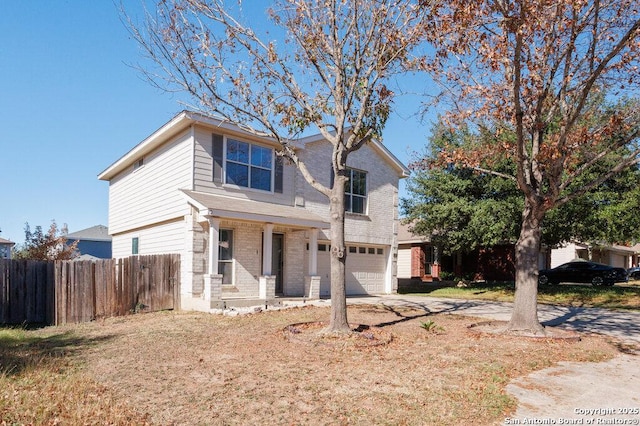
(463, 209)
(323, 65)
(460, 208)
(533, 66)
(49, 246)
(606, 214)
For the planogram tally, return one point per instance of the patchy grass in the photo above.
(193, 368)
(619, 296)
(42, 382)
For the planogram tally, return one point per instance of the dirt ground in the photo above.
(405, 366)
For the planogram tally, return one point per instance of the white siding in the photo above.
(150, 194)
(203, 173)
(163, 238)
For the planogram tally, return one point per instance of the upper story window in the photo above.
(249, 165)
(138, 164)
(246, 165)
(355, 192)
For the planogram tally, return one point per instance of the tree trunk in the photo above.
(524, 319)
(338, 322)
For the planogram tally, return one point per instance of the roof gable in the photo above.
(6, 242)
(185, 119)
(375, 144)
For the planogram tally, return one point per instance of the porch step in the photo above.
(244, 303)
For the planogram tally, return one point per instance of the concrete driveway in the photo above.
(623, 325)
(570, 393)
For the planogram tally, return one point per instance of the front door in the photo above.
(277, 262)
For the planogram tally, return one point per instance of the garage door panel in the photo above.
(365, 273)
(368, 271)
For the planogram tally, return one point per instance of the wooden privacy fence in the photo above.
(79, 291)
(26, 291)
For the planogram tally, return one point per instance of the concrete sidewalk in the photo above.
(571, 392)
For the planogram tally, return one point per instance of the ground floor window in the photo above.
(225, 255)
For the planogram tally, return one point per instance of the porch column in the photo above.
(214, 237)
(213, 280)
(267, 249)
(312, 281)
(313, 251)
(267, 282)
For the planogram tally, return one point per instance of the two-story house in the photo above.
(246, 223)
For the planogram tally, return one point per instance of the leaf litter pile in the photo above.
(400, 366)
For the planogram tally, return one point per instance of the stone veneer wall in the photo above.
(196, 256)
(294, 265)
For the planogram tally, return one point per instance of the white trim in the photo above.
(388, 275)
(256, 217)
(192, 136)
(244, 211)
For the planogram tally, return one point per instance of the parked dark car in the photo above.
(583, 272)
(634, 273)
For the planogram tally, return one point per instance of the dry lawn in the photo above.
(197, 369)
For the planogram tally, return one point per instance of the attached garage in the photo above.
(365, 269)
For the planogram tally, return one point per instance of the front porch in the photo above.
(277, 302)
(214, 294)
(245, 253)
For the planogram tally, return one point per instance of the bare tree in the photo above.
(538, 66)
(322, 65)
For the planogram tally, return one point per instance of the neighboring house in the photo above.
(419, 259)
(5, 248)
(94, 242)
(635, 260)
(247, 225)
(613, 255)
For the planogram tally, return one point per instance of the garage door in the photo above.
(365, 270)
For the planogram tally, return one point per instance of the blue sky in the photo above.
(70, 105)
